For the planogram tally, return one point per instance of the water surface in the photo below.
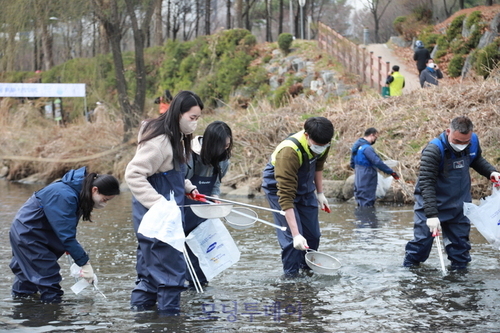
(371, 291)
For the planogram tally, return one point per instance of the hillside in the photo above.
(406, 124)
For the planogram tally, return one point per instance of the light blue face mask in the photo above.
(318, 149)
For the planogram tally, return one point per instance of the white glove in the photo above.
(87, 273)
(434, 225)
(495, 176)
(300, 243)
(323, 203)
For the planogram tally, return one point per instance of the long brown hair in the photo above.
(168, 124)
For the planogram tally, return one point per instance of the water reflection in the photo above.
(366, 217)
(371, 291)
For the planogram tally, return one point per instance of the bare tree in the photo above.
(238, 9)
(269, 37)
(377, 9)
(280, 17)
(108, 12)
(208, 12)
(158, 39)
(228, 14)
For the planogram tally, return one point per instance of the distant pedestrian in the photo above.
(164, 101)
(421, 56)
(430, 75)
(100, 114)
(365, 162)
(395, 81)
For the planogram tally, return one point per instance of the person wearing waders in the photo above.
(443, 185)
(290, 179)
(208, 164)
(44, 229)
(158, 167)
(365, 162)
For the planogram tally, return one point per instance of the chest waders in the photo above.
(205, 185)
(452, 190)
(305, 208)
(160, 268)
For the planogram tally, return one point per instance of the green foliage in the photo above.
(474, 38)
(213, 66)
(441, 53)
(459, 46)
(410, 27)
(455, 66)
(255, 79)
(15, 77)
(285, 42)
(428, 37)
(443, 43)
(487, 58)
(398, 24)
(473, 18)
(423, 14)
(455, 28)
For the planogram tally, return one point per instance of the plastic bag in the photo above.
(383, 185)
(81, 284)
(486, 217)
(214, 247)
(163, 221)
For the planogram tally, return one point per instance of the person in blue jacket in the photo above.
(208, 164)
(365, 163)
(443, 185)
(44, 229)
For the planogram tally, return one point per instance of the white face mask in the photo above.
(458, 147)
(187, 126)
(98, 201)
(318, 149)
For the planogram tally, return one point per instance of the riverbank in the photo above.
(32, 146)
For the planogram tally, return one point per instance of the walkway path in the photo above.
(411, 79)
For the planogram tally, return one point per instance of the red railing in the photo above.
(355, 58)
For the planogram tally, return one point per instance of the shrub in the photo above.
(455, 66)
(473, 18)
(487, 58)
(428, 37)
(441, 53)
(459, 46)
(410, 28)
(474, 38)
(398, 24)
(455, 27)
(423, 14)
(443, 43)
(285, 42)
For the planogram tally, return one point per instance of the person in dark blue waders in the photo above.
(365, 162)
(158, 167)
(209, 162)
(44, 229)
(294, 172)
(444, 184)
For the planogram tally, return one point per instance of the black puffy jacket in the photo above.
(429, 170)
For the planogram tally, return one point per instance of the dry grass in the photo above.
(405, 123)
(31, 144)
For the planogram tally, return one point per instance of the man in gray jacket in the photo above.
(430, 75)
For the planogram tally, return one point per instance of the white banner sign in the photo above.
(42, 89)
